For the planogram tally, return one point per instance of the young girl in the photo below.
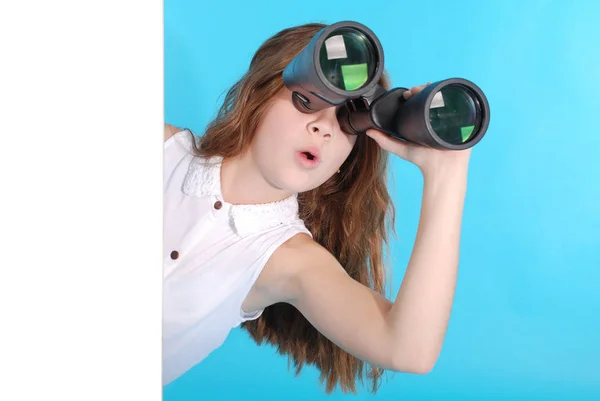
(259, 235)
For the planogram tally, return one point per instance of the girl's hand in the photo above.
(428, 160)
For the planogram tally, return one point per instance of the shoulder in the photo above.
(301, 251)
(293, 261)
(181, 136)
(298, 252)
(170, 130)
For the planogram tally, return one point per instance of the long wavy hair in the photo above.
(348, 214)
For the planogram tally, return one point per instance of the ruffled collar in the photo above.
(203, 178)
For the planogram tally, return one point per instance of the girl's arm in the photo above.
(420, 313)
(406, 335)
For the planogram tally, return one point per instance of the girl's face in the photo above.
(297, 152)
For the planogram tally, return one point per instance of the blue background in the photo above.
(526, 317)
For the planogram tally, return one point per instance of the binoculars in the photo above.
(341, 67)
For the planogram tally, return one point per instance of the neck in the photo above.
(243, 184)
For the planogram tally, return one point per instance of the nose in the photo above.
(319, 129)
(322, 126)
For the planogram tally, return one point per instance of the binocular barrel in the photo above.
(341, 67)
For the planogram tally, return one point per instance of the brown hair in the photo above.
(346, 215)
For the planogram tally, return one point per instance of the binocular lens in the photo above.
(455, 114)
(348, 59)
(341, 66)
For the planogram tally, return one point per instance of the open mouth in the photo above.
(308, 159)
(309, 155)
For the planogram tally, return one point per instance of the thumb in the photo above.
(393, 145)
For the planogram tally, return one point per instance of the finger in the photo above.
(387, 142)
(382, 139)
(416, 89)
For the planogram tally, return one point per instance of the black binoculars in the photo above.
(341, 67)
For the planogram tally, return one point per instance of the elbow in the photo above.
(416, 364)
(417, 368)
(422, 368)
